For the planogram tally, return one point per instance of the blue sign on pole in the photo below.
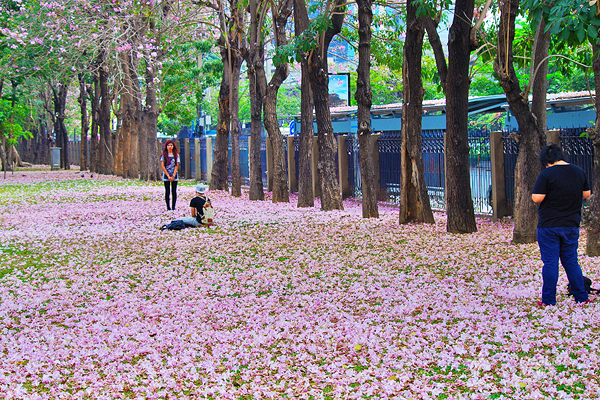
(292, 127)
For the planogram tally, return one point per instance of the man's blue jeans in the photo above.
(555, 244)
(190, 221)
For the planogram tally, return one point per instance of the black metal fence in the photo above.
(432, 145)
(578, 150)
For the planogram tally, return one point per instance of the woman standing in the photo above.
(169, 162)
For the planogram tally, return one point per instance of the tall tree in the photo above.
(236, 66)
(530, 137)
(255, 61)
(414, 199)
(459, 203)
(83, 107)
(219, 168)
(454, 78)
(231, 23)
(305, 184)
(280, 15)
(592, 214)
(326, 27)
(363, 99)
(59, 100)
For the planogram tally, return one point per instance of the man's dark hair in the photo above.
(551, 154)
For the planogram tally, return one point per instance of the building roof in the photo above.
(494, 103)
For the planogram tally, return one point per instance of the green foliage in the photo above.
(386, 85)
(486, 121)
(12, 120)
(303, 43)
(572, 22)
(184, 83)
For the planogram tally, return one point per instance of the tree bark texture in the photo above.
(236, 174)
(37, 149)
(279, 173)
(436, 45)
(255, 60)
(84, 123)
(133, 163)
(591, 216)
(364, 100)
(149, 159)
(95, 108)
(129, 125)
(59, 98)
(331, 196)
(105, 144)
(220, 161)
(305, 187)
(540, 80)
(459, 203)
(530, 138)
(414, 199)
(3, 156)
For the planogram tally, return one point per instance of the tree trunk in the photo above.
(84, 123)
(144, 132)
(219, 170)
(133, 164)
(414, 199)
(3, 150)
(305, 187)
(331, 196)
(541, 47)
(363, 100)
(59, 99)
(430, 26)
(95, 107)
(127, 113)
(236, 174)
(279, 173)
(459, 203)
(42, 148)
(105, 144)
(530, 139)
(591, 215)
(255, 60)
(149, 159)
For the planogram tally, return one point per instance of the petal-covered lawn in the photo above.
(273, 302)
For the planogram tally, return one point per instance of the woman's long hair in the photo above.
(165, 153)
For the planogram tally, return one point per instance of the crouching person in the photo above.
(200, 208)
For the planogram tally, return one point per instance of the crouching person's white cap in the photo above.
(201, 188)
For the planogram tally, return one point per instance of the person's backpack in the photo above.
(176, 225)
(208, 213)
(588, 287)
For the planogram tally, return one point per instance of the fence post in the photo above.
(270, 166)
(315, 168)
(499, 203)
(249, 157)
(381, 194)
(188, 170)
(553, 136)
(197, 165)
(291, 156)
(343, 166)
(209, 159)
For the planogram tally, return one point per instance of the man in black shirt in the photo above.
(560, 189)
(196, 207)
